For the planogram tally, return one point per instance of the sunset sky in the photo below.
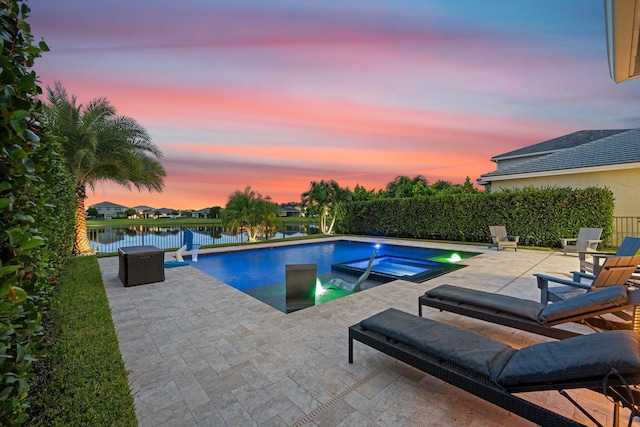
(276, 94)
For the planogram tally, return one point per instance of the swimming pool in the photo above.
(261, 272)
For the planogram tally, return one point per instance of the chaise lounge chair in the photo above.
(502, 240)
(535, 317)
(587, 241)
(607, 363)
(629, 247)
(614, 271)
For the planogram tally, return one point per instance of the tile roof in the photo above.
(617, 148)
(566, 141)
(143, 208)
(107, 205)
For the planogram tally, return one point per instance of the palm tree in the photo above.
(100, 146)
(251, 211)
(321, 199)
(403, 186)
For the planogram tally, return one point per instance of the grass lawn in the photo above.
(83, 379)
(150, 222)
(290, 220)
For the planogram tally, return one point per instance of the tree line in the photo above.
(249, 210)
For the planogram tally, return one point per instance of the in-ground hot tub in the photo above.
(386, 267)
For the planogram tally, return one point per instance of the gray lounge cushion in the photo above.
(582, 357)
(464, 348)
(578, 358)
(611, 296)
(504, 303)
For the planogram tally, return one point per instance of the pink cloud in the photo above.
(275, 96)
(352, 143)
(194, 183)
(223, 25)
(204, 107)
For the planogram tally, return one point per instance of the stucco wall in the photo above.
(625, 185)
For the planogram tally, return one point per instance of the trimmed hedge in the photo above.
(540, 216)
(36, 213)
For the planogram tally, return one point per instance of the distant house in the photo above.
(290, 210)
(201, 213)
(108, 210)
(168, 213)
(588, 158)
(144, 211)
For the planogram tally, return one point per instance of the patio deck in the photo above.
(201, 353)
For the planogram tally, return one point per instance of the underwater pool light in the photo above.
(320, 290)
(454, 258)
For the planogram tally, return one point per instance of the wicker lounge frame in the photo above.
(513, 312)
(484, 387)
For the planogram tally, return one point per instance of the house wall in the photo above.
(110, 211)
(622, 183)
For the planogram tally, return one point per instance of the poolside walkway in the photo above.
(201, 353)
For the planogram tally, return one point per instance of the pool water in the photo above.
(395, 266)
(261, 272)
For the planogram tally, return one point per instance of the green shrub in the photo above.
(34, 213)
(541, 217)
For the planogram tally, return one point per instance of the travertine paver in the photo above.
(200, 353)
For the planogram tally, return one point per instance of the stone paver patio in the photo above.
(201, 353)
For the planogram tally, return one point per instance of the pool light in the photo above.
(320, 290)
(454, 258)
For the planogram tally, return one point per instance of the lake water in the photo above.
(109, 239)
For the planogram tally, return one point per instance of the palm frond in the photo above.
(99, 145)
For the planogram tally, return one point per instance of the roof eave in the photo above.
(603, 168)
(621, 26)
(519, 156)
